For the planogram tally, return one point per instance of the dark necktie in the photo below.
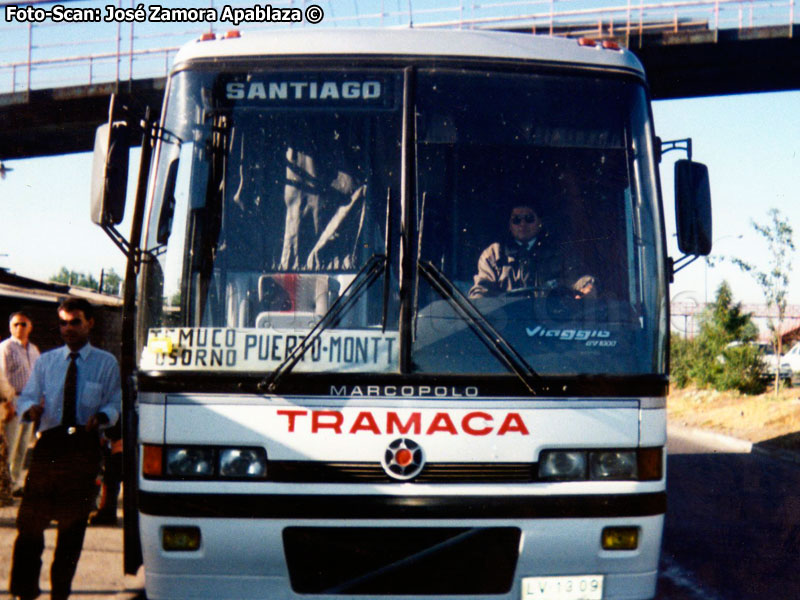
(69, 417)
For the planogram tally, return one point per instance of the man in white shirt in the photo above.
(17, 357)
(73, 391)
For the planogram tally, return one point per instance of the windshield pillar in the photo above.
(407, 195)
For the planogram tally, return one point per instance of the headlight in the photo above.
(642, 464)
(190, 462)
(613, 465)
(203, 462)
(243, 462)
(560, 465)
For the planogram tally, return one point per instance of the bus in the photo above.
(317, 403)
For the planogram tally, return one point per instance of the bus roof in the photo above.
(408, 42)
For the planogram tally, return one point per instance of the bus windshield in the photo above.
(537, 202)
(277, 218)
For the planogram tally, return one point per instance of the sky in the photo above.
(751, 144)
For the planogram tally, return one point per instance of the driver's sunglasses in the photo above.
(517, 219)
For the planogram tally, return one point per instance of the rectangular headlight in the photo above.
(560, 465)
(249, 463)
(615, 464)
(190, 462)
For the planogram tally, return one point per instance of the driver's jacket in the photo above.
(508, 266)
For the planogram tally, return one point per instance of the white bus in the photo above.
(323, 407)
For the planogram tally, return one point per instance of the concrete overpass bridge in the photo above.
(54, 89)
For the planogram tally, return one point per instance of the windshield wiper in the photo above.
(485, 331)
(366, 275)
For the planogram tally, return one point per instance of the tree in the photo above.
(708, 360)
(721, 323)
(112, 282)
(75, 278)
(774, 283)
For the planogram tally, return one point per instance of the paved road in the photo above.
(99, 575)
(732, 530)
(733, 523)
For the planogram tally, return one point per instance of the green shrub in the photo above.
(681, 353)
(741, 369)
(708, 361)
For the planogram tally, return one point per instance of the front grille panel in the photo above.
(351, 472)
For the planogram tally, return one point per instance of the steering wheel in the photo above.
(527, 291)
(561, 302)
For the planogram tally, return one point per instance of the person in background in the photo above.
(6, 413)
(106, 513)
(73, 392)
(17, 357)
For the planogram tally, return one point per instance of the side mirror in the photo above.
(693, 208)
(110, 173)
(168, 207)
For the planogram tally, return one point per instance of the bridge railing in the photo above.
(38, 55)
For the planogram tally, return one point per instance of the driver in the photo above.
(527, 259)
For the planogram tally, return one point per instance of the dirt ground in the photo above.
(764, 419)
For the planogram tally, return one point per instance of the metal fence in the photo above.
(112, 43)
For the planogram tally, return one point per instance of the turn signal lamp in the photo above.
(180, 538)
(650, 461)
(620, 538)
(152, 460)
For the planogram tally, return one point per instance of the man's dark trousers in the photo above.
(61, 486)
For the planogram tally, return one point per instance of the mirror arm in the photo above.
(680, 264)
(122, 243)
(684, 145)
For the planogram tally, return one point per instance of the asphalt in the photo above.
(733, 444)
(99, 575)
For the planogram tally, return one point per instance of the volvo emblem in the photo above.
(403, 459)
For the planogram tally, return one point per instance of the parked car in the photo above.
(771, 362)
(793, 358)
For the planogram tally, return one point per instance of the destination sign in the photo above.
(323, 90)
(232, 349)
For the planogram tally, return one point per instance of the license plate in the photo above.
(572, 587)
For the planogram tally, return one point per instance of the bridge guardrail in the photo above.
(39, 55)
